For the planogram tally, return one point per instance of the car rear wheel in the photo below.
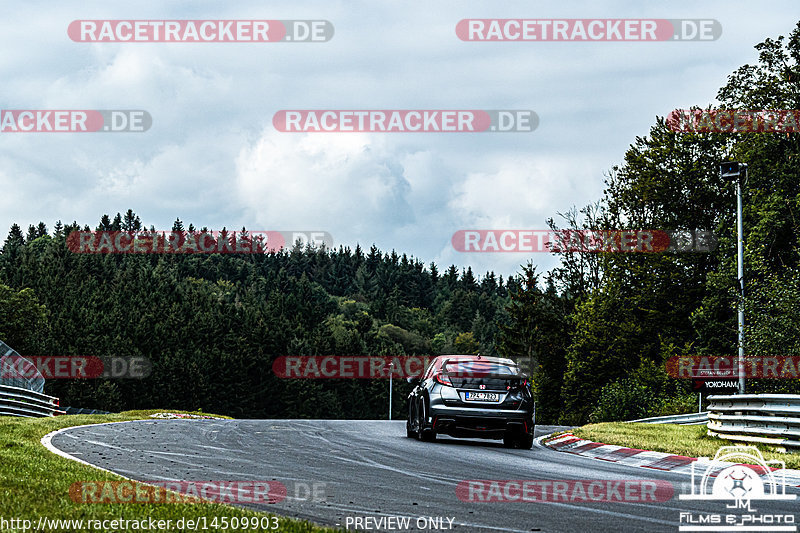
(518, 440)
(410, 433)
(427, 435)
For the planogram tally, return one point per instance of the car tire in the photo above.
(428, 435)
(522, 441)
(509, 440)
(419, 417)
(425, 435)
(410, 433)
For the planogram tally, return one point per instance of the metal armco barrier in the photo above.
(767, 418)
(685, 420)
(16, 401)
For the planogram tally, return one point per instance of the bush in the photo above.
(648, 391)
(625, 399)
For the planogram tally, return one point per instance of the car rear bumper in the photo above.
(480, 423)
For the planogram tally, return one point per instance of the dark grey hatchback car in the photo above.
(467, 396)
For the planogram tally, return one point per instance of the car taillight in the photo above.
(444, 379)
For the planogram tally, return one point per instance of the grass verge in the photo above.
(689, 441)
(34, 483)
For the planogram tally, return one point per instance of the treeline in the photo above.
(212, 324)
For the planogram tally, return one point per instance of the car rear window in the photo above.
(468, 368)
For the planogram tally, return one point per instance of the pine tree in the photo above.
(434, 273)
(468, 280)
(131, 222)
(364, 283)
(14, 241)
(450, 278)
(518, 339)
(105, 223)
(373, 259)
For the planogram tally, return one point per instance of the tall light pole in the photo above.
(391, 371)
(729, 170)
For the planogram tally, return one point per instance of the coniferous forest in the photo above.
(598, 328)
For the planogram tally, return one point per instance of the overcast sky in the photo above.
(213, 157)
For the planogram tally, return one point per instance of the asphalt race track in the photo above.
(371, 469)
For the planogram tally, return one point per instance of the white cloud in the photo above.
(213, 158)
(349, 183)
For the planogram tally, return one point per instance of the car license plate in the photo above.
(481, 396)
